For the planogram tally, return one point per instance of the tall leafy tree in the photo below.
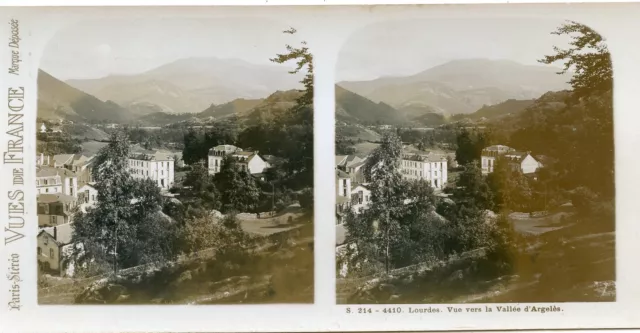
(295, 127)
(304, 62)
(381, 223)
(472, 189)
(238, 188)
(126, 227)
(191, 152)
(588, 58)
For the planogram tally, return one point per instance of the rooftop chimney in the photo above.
(55, 233)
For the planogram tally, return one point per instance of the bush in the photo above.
(306, 199)
(583, 199)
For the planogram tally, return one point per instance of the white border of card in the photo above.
(325, 28)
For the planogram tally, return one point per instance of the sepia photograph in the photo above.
(175, 162)
(474, 163)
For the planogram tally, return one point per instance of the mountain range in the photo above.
(462, 86)
(190, 85)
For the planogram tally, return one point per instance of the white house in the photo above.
(55, 209)
(522, 161)
(360, 198)
(87, 197)
(50, 180)
(352, 165)
(54, 247)
(246, 160)
(43, 128)
(343, 197)
(156, 166)
(428, 166)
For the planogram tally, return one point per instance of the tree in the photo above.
(192, 147)
(588, 58)
(126, 226)
(238, 188)
(303, 60)
(465, 153)
(382, 169)
(472, 189)
(202, 185)
(294, 128)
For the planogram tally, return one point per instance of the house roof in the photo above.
(47, 171)
(498, 148)
(151, 155)
(86, 185)
(356, 165)
(54, 197)
(340, 159)
(62, 159)
(364, 186)
(340, 199)
(341, 174)
(64, 233)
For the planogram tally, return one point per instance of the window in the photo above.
(45, 240)
(51, 255)
(54, 219)
(45, 182)
(40, 250)
(93, 197)
(46, 190)
(344, 192)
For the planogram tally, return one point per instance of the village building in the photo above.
(522, 161)
(156, 166)
(78, 163)
(426, 166)
(353, 165)
(87, 197)
(50, 180)
(360, 198)
(343, 197)
(248, 161)
(55, 209)
(54, 248)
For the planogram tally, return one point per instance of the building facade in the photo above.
(248, 161)
(156, 166)
(50, 180)
(429, 167)
(55, 209)
(87, 197)
(360, 198)
(54, 247)
(343, 197)
(522, 161)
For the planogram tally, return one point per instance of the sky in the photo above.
(100, 48)
(401, 48)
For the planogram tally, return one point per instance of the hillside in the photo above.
(506, 108)
(270, 107)
(351, 107)
(58, 100)
(463, 86)
(192, 85)
(236, 107)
